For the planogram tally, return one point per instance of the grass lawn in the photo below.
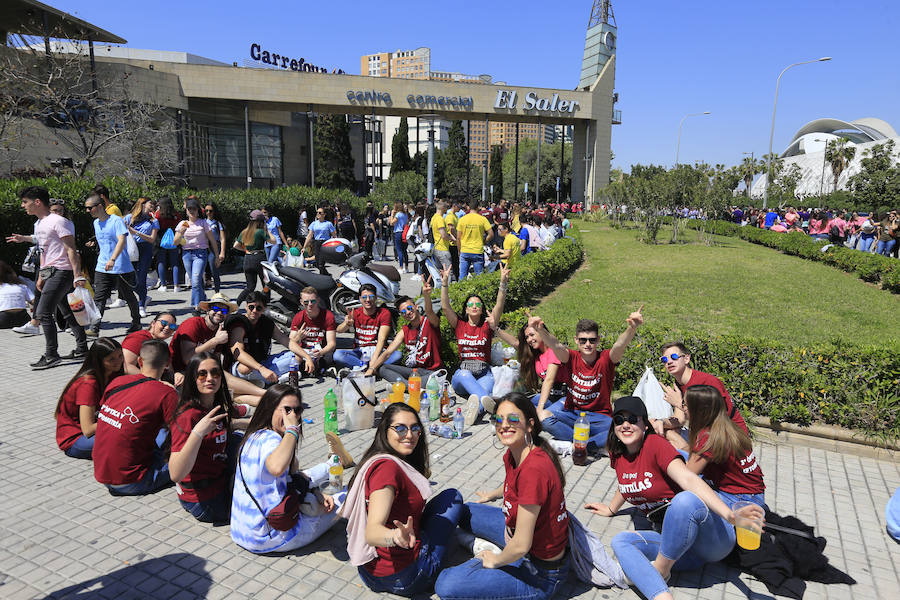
(733, 287)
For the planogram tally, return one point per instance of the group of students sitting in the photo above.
(196, 412)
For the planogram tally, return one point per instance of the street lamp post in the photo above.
(822, 178)
(678, 145)
(772, 130)
(430, 178)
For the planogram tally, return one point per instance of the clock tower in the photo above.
(599, 42)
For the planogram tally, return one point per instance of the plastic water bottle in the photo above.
(331, 412)
(443, 430)
(434, 412)
(580, 439)
(294, 372)
(459, 422)
(425, 408)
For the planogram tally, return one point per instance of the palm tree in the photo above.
(749, 168)
(839, 154)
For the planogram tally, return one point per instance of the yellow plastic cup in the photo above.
(747, 525)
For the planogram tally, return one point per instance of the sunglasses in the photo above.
(252, 307)
(219, 309)
(57, 202)
(407, 310)
(164, 323)
(91, 206)
(309, 302)
(367, 297)
(587, 340)
(291, 409)
(673, 356)
(473, 304)
(619, 419)
(512, 420)
(402, 429)
(203, 373)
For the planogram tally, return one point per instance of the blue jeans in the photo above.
(729, 499)
(168, 258)
(194, 265)
(865, 241)
(692, 535)
(217, 279)
(156, 478)
(469, 259)
(439, 520)
(562, 425)
(465, 384)
(400, 249)
(141, 267)
(83, 448)
(884, 248)
(525, 578)
(347, 359)
(214, 510)
(277, 363)
(272, 252)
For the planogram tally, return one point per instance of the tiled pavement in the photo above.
(64, 536)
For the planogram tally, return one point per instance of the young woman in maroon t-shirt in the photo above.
(474, 334)
(722, 452)
(652, 476)
(410, 536)
(532, 524)
(76, 410)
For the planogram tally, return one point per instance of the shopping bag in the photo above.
(497, 356)
(168, 239)
(131, 245)
(83, 307)
(505, 378)
(649, 390)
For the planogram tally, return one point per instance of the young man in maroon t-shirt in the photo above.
(371, 326)
(676, 359)
(591, 376)
(131, 427)
(422, 337)
(313, 333)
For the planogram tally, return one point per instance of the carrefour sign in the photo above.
(283, 61)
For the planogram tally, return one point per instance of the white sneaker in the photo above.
(177, 289)
(28, 329)
(562, 447)
(143, 312)
(489, 404)
(416, 277)
(480, 545)
(119, 303)
(471, 410)
(402, 270)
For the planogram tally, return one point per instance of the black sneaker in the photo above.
(134, 327)
(46, 363)
(75, 355)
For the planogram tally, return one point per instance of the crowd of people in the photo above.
(207, 405)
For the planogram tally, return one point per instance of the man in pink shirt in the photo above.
(60, 270)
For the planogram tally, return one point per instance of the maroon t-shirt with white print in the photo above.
(642, 478)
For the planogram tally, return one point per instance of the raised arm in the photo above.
(634, 320)
(497, 313)
(432, 316)
(451, 316)
(559, 349)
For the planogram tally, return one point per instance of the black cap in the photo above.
(632, 404)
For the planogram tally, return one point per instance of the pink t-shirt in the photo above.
(841, 224)
(195, 235)
(549, 358)
(49, 232)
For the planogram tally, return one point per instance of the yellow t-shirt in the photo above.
(470, 232)
(112, 209)
(450, 219)
(437, 223)
(511, 243)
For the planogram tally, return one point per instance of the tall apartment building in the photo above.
(402, 64)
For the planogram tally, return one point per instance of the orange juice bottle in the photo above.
(397, 391)
(415, 390)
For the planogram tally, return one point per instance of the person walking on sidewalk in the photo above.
(114, 270)
(197, 241)
(59, 263)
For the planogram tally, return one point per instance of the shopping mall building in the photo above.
(254, 126)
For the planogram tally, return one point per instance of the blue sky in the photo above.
(674, 58)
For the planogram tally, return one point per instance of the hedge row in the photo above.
(868, 267)
(234, 204)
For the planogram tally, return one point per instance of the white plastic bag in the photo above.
(505, 378)
(497, 356)
(649, 390)
(131, 245)
(83, 307)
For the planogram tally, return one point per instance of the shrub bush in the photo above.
(234, 205)
(868, 267)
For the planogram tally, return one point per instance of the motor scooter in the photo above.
(385, 278)
(288, 282)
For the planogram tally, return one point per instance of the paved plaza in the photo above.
(64, 536)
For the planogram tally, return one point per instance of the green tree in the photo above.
(400, 160)
(838, 154)
(749, 167)
(451, 163)
(528, 170)
(877, 185)
(334, 158)
(495, 176)
(405, 186)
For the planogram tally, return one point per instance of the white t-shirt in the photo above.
(14, 296)
(49, 232)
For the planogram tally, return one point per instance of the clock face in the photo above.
(610, 40)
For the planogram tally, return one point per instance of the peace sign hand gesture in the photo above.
(404, 536)
(208, 422)
(445, 275)
(504, 273)
(426, 287)
(672, 395)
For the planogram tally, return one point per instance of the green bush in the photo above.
(868, 267)
(234, 205)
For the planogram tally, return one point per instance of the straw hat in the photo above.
(218, 298)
